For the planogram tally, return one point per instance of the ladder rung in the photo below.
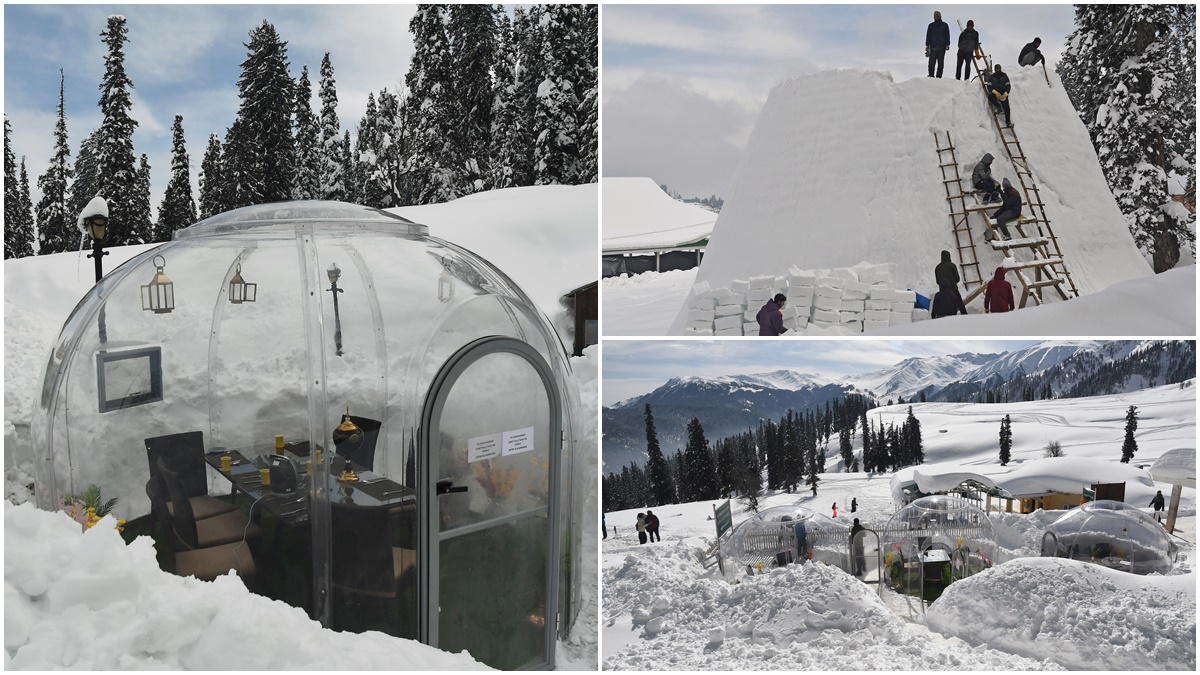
(1042, 284)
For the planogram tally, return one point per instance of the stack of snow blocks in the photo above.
(837, 301)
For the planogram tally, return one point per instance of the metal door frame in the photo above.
(429, 544)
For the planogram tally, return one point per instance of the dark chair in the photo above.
(205, 564)
(197, 534)
(184, 454)
(366, 569)
(363, 454)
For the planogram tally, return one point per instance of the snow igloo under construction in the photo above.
(1112, 534)
(932, 542)
(783, 535)
(360, 419)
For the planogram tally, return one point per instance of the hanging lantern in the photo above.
(158, 296)
(239, 290)
(445, 286)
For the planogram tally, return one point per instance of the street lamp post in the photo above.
(335, 273)
(94, 222)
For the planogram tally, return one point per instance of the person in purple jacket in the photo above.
(770, 317)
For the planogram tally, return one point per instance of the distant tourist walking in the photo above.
(860, 557)
(770, 317)
(603, 526)
(968, 42)
(1158, 503)
(998, 296)
(854, 506)
(652, 526)
(835, 509)
(937, 43)
(641, 528)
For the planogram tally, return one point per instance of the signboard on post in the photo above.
(724, 517)
(1089, 495)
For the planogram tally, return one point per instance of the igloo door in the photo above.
(490, 449)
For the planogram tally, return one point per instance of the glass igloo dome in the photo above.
(934, 541)
(381, 418)
(1113, 534)
(782, 535)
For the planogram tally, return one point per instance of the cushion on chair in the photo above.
(224, 529)
(403, 560)
(207, 564)
(205, 506)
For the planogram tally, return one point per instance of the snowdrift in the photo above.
(842, 168)
(1079, 615)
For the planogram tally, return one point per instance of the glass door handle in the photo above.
(445, 486)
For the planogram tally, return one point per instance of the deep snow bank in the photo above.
(1079, 615)
(87, 601)
(842, 168)
(800, 617)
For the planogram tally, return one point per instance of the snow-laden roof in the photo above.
(1176, 466)
(842, 168)
(638, 215)
(1027, 479)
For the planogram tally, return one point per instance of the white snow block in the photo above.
(728, 322)
(874, 324)
(883, 315)
(731, 298)
(905, 317)
(853, 326)
(919, 315)
(827, 304)
(762, 282)
(750, 328)
(908, 296)
(853, 305)
(728, 310)
(902, 306)
(703, 303)
(856, 290)
(883, 293)
(826, 316)
(847, 317)
(736, 330)
(701, 289)
(688, 330)
(704, 325)
(866, 274)
(750, 315)
(883, 275)
(846, 273)
(790, 311)
(805, 293)
(739, 285)
(802, 279)
(877, 304)
(827, 292)
(758, 296)
(831, 281)
(701, 315)
(798, 323)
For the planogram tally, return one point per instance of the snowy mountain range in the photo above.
(730, 404)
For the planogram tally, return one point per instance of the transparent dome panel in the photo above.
(1112, 534)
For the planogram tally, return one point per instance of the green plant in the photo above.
(91, 499)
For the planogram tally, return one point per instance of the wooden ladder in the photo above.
(1056, 273)
(968, 262)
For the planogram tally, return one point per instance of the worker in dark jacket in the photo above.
(998, 296)
(937, 43)
(981, 179)
(998, 89)
(1030, 56)
(1009, 210)
(946, 302)
(968, 42)
(770, 317)
(858, 563)
(1158, 503)
(946, 273)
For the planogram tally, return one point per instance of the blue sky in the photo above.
(634, 367)
(184, 59)
(683, 84)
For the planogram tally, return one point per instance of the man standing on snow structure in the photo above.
(998, 296)
(998, 88)
(1010, 209)
(937, 43)
(770, 317)
(1030, 56)
(981, 179)
(968, 42)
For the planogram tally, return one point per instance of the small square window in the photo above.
(128, 378)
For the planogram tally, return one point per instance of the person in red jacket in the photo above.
(998, 297)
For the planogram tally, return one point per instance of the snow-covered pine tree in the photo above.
(116, 163)
(212, 182)
(504, 107)
(662, 488)
(392, 151)
(259, 149)
(308, 134)
(12, 189)
(351, 173)
(20, 232)
(1005, 440)
(87, 181)
(1185, 30)
(555, 123)
(701, 470)
(1129, 447)
(333, 167)
(55, 226)
(589, 92)
(846, 446)
(178, 209)
(429, 79)
(1140, 123)
(140, 222)
(374, 190)
(915, 449)
(472, 33)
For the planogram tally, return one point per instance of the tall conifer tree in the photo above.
(116, 162)
(308, 143)
(55, 226)
(178, 209)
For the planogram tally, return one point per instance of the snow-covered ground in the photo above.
(1161, 304)
(664, 611)
(639, 216)
(86, 601)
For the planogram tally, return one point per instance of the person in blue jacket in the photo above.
(937, 43)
